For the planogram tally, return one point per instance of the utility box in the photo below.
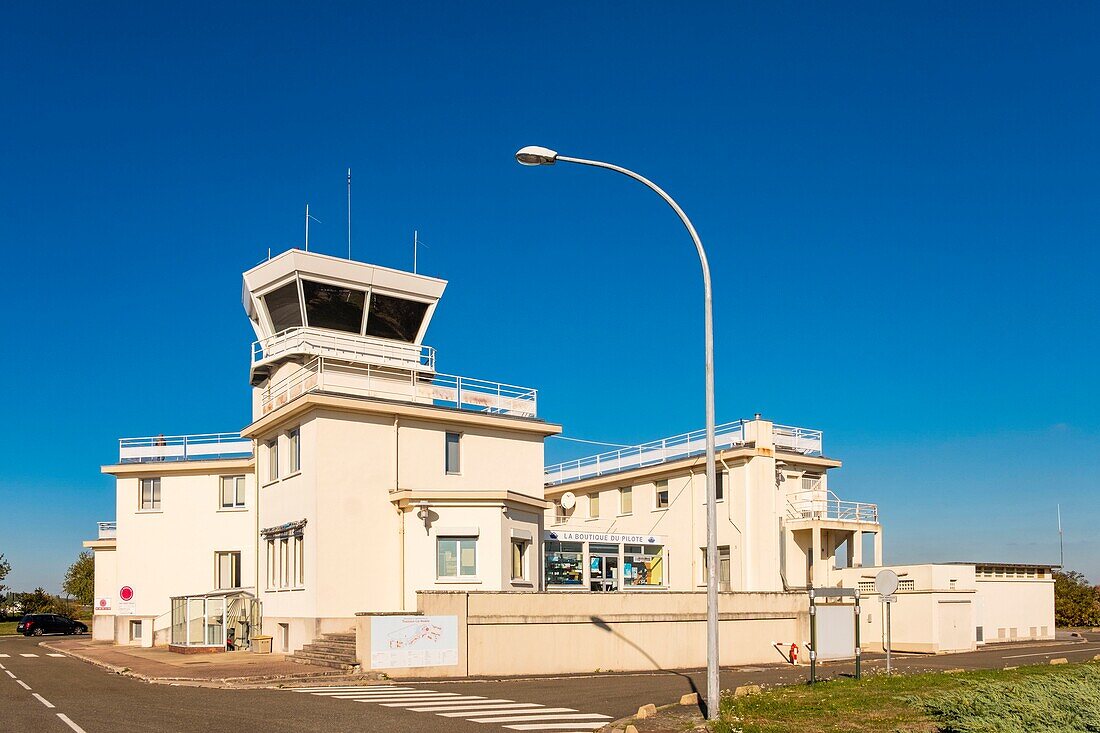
(261, 644)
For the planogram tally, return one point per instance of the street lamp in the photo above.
(533, 155)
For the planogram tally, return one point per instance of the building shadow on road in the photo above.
(603, 625)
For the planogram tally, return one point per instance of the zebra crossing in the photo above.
(31, 656)
(509, 714)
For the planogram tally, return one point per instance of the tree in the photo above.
(42, 602)
(5, 568)
(80, 579)
(1076, 603)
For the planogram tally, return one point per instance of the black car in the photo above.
(36, 624)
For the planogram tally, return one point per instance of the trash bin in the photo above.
(261, 644)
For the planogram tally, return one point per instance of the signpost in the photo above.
(816, 593)
(886, 583)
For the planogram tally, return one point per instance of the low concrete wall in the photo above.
(510, 633)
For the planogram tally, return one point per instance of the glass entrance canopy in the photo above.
(224, 619)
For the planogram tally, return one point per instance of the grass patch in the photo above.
(7, 628)
(1042, 698)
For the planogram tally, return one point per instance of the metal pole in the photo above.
(713, 686)
(888, 642)
(859, 651)
(813, 638)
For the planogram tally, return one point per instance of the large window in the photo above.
(150, 494)
(456, 557)
(395, 318)
(232, 492)
(227, 570)
(723, 568)
(626, 500)
(660, 498)
(334, 307)
(273, 460)
(519, 559)
(644, 566)
(284, 307)
(453, 455)
(286, 562)
(564, 563)
(294, 450)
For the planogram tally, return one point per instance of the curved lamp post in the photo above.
(533, 155)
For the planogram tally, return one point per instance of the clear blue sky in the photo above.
(900, 203)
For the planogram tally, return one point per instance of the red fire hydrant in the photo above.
(794, 653)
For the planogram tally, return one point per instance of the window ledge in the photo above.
(592, 519)
(458, 581)
(292, 475)
(232, 509)
(270, 482)
(523, 583)
(660, 509)
(149, 511)
(627, 514)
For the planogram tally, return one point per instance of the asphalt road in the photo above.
(43, 693)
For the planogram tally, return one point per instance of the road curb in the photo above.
(125, 671)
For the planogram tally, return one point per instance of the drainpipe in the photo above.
(397, 487)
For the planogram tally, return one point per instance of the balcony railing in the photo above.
(822, 504)
(368, 380)
(201, 447)
(646, 454)
(107, 530)
(800, 440)
(333, 344)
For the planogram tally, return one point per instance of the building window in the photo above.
(227, 567)
(294, 450)
(661, 497)
(456, 557)
(626, 500)
(453, 453)
(564, 563)
(232, 492)
(286, 562)
(644, 566)
(720, 485)
(594, 506)
(150, 494)
(724, 566)
(273, 460)
(907, 584)
(135, 631)
(519, 559)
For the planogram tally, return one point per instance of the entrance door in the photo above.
(603, 567)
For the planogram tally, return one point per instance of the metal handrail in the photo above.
(368, 380)
(196, 447)
(827, 505)
(801, 440)
(645, 454)
(350, 346)
(107, 530)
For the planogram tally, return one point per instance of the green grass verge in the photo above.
(7, 628)
(1041, 699)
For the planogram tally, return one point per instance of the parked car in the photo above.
(36, 624)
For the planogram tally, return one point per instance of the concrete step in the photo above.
(332, 662)
(342, 636)
(333, 646)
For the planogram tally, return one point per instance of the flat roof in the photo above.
(1027, 565)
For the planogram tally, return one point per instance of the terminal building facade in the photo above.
(366, 480)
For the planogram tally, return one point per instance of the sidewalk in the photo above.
(210, 670)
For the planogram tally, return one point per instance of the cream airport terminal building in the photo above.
(373, 501)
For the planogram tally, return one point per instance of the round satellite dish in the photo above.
(886, 582)
(568, 500)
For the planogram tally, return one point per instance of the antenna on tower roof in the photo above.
(349, 213)
(308, 217)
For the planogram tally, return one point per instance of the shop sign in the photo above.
(618, 539)
(413, 641)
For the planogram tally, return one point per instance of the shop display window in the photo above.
(564, 563)
(644, 566)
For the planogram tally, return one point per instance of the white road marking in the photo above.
(43, 700)
(492, 704)
(496, 710)
(399, 696)
(2, 667)
(70, 723)
(379, 688)
(10, 674)
(547, 714)
(363, 691)
(555, 726)
(1050, 654)
(4, 656)
(406, 703)
(56, 655)
(28, 655)
(22, 684)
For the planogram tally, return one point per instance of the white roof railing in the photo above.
(800, 440)
(199, 447)
(107, 530)
(348, 346)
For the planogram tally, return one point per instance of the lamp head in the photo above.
(535, 155)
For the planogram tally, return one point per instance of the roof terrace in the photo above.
(803, 441)
(199, 447)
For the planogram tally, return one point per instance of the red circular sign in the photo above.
(102, 602)
(126, 593)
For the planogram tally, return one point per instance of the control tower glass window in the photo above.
(395, 318)
(334, 307)
(284, 307)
